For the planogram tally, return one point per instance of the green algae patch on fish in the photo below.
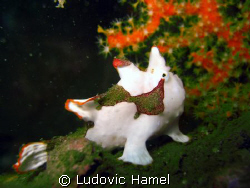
(150, 103)
(114, 95)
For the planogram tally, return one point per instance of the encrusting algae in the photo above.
(150, 103)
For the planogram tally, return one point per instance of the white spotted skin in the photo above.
(115, 126)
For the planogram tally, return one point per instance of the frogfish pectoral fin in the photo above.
(31, 157)
(83, 108)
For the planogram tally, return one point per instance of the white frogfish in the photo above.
(143, 104)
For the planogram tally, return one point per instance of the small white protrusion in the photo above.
(31, 157)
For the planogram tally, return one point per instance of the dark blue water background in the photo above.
(48, 55)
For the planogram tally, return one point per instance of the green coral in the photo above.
(72, 155)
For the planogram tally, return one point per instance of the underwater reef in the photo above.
(207, 44)
(217, 156)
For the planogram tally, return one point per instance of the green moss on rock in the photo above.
(218, 158)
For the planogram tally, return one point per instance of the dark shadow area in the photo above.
(49, 55)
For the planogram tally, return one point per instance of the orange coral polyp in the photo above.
(193, 92)
(152, 27)
(163, 49)
(169, 10)
(190, 9)
(118, 38)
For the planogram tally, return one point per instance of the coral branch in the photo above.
(207, 38)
